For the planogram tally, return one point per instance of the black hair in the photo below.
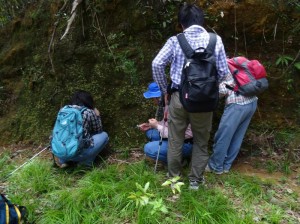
(190, 14)
(82, 98)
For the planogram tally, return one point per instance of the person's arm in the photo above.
(144, 127)
(227, 81)
(162, 59)
(161, 126)
(95, 122)
(221, 62)
(188, 132)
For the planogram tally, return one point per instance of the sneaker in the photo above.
(209, 170)
(63, 165)
(226, 171)
(194, 185)
(218, 172)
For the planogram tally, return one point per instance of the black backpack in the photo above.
(199, 88)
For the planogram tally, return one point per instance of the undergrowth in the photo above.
(101, 195)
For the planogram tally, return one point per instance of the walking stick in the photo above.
(161, 134)
(159, 146)
(28, 161)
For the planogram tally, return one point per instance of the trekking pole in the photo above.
(28, 161)
(159, 147)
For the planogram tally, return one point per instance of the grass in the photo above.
(101, 195)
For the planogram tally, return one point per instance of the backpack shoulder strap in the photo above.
(212, 43)
(82, 109)
(188, 50)
(185, 46)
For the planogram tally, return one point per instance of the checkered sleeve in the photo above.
(92, 122)
(162, 59)
(221, 61)
(227, 80)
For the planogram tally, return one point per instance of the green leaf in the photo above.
(297, 65)
(144, 200)
(175, 179)
(138, 186)
(164, 209)
(288, 58)
(278, 61)
(166, 183)
(146, 186)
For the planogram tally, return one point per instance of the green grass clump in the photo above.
(109, 194)
(6, 165)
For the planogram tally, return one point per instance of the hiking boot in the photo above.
(194, 185)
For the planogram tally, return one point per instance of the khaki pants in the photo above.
(201, 124)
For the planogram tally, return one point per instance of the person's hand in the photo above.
(166, 112)
(144, 127)
(96, 111)
(153, 123)
(167, 99)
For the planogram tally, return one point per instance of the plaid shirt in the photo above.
(91, 124)
(171, 53)
(231, 96)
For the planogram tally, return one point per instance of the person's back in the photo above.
(94, 138)
(191, 18)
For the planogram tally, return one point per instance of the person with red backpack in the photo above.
(235, 120)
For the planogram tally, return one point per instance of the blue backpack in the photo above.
(67, 136)
(11, 213)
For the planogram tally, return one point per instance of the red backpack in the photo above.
(249, 75)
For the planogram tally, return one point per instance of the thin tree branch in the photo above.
(53, 35)
(71, 19)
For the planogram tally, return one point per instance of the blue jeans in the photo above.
(229, 136)
(153, 135)
(151, 148)
(87, 156)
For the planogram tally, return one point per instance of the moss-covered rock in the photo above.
(108, 51)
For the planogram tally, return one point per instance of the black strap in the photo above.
(185, 46)
(188, 50)
(232, 89)
(212, 43)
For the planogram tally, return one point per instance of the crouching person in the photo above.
(152, 148)
(78, 136)
(157, 131)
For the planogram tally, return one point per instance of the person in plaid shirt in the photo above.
(191, 19)
(94, 136)
(234, 123)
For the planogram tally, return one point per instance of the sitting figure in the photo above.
(94, 138)
(157, 131)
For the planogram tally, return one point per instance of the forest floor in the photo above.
(255, 182)
(256, 166)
